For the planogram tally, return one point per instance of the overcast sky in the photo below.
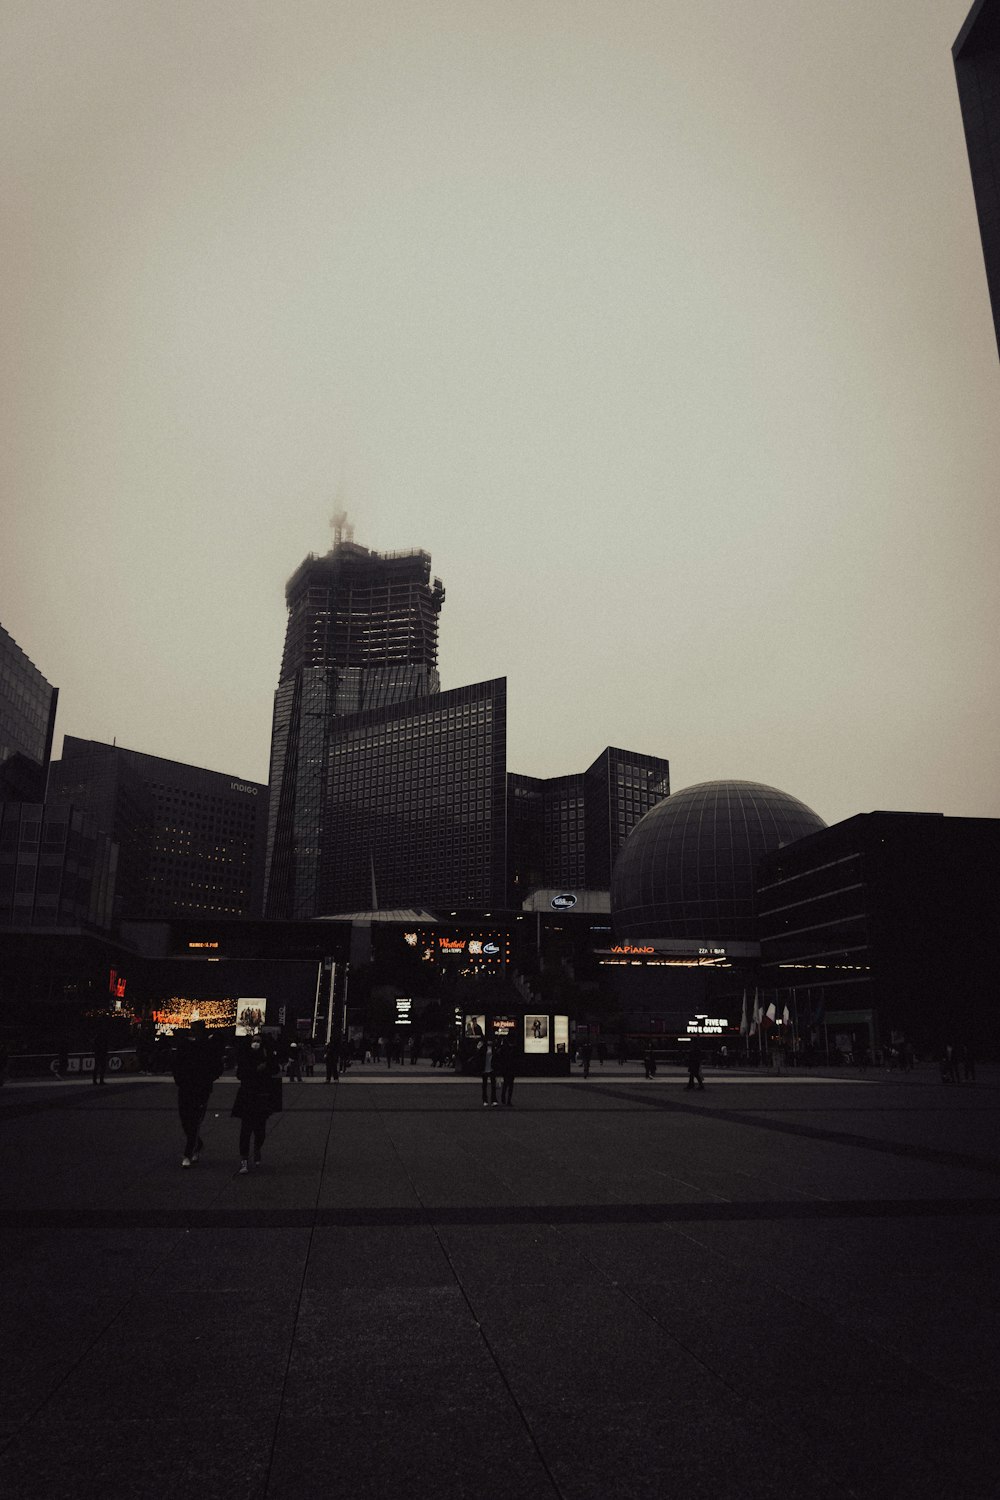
(662, 325)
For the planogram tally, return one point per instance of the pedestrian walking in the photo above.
(100, 1055)
(586, 1053)
(196, 1067)
(507, 1067)
(694, 1067)
(649, 1059)
(331, 1056)
(602, 1053)
(257, 1098)
(487, 1071)
(294, 1063)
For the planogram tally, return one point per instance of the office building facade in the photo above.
(190, 841)
(57, 870)
(976, 55)
(415, 804)
(566, 831)
(361, 637)
(27, 721)
(886, 924)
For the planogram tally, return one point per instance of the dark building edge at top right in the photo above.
(976, 54)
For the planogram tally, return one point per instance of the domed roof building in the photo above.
(688, 868)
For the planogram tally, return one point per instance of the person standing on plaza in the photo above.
(586, 1054)
(507, 1066)
(487, 1071)
(101, 1054)
(331, 1057)
(649, 1058)
(294, 1063)
(257, 1098)
(694, 1067)
(196, 1067)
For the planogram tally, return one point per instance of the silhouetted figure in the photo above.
(487, 1071)
(694, 1067)
(100, 1055)
(507, 1068)
(196, 1067)
(622, 1053)
(331, 1056)
(294, 1063)
(602, 1053)
(649, 1059)
(586, 1053)
(257, 1098)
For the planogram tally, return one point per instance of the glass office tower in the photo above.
(976, 55)
(361, 637)
(416, 804)
(27, 719)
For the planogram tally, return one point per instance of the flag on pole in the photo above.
(743, 1019)
(785, 1016)
(770, 1015)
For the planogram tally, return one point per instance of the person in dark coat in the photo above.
(101, 1055)
(257, 1098)
(694, 1067)
(586, 1053)
(196, 1067)
(507, 1068)
(331, 1056)
(649, 1058)
(487, 1070)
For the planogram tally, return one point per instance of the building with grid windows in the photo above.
(190, 841)
(566, 831)
(27, 720)
(415, 810)
(361, 637)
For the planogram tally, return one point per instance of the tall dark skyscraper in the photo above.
(976, 54)
(27, 719)
(361, 636)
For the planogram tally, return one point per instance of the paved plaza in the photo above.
(783, 1286)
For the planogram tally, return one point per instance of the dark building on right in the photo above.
(976, 55)
(884, 926)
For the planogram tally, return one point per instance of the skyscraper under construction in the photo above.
(361, 635)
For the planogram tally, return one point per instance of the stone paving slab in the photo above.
(615, 1289)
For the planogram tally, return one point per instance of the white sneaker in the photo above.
(244, 1167)
(186, 1161)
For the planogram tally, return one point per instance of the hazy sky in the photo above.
(661, 324)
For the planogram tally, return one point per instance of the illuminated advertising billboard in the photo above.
(536, 1033)
(250, 1013)
(560, 1033)
(475, 1026)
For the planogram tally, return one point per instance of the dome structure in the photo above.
(688, 868)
